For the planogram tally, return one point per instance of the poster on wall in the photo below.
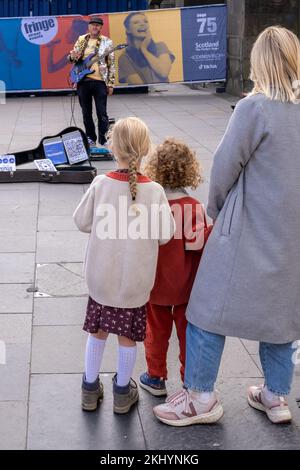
(19, 58)
(204, 41)
(163, 46)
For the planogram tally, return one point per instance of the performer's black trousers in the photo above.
(87, 90)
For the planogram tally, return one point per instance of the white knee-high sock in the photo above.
(93, 357)
(126, 363)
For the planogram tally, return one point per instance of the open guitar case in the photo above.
(77, 173)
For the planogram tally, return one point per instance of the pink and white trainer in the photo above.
(184, 408)
(277, 410)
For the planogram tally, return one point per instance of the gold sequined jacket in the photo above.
(106, 63)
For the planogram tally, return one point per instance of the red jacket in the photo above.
(178, 260)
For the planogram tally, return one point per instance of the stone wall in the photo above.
(259, 14)
(235, 38)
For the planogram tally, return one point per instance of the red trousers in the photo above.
(158, 332)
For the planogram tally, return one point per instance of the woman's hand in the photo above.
(110, 90)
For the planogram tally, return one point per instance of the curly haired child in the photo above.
(175, 166)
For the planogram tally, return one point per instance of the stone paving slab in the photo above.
(60, 192)
(256, 360)
(19, 198)
(63, 425)
(15, 218)
(58, 349)
(59, 311)
(251, 346)
(5, 139)
(58, 207)
(15, 329)
(206, 165)
(236, 362)
(14, 298)
(60, 280)
(241, 428)
(252, 349)
(202, 153)
(201, 193)
(15, 373)
(18, 186)
(56, 420)
(16, 269)
(56, 223)
(4, 149)
(18, 146)
(13, 425)
(57, 247)
(18, 242)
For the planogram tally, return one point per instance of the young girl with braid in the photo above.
(121, 260)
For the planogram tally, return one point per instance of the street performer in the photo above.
(98, 84)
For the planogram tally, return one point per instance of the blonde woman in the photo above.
(247, 284)
(120, 260)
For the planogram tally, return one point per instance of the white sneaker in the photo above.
(277, 412)
(183, 408)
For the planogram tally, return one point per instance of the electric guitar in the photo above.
(83, 67)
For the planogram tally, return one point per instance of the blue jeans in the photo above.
(203, 357)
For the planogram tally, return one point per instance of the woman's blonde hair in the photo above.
(174, 165)
(275, 64)
(129, 140)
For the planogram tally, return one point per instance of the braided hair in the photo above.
(133, 176)
(129, 140)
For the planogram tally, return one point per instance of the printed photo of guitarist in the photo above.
(99, 80)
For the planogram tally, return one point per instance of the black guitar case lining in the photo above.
(78, 173)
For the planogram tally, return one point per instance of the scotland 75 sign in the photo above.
(204, 43)
(207, 24)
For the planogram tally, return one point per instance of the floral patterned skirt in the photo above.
(129, 322)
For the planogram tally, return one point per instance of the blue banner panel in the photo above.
(19, 59)
(87, 7)
(16, 8)
(204, 43)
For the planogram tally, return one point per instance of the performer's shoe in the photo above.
(92, 143)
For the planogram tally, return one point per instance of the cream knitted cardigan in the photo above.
(121, 256)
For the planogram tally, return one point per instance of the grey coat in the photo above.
(248, 282)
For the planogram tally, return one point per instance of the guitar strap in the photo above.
(84, 44)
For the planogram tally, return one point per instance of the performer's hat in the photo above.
(96, 19)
